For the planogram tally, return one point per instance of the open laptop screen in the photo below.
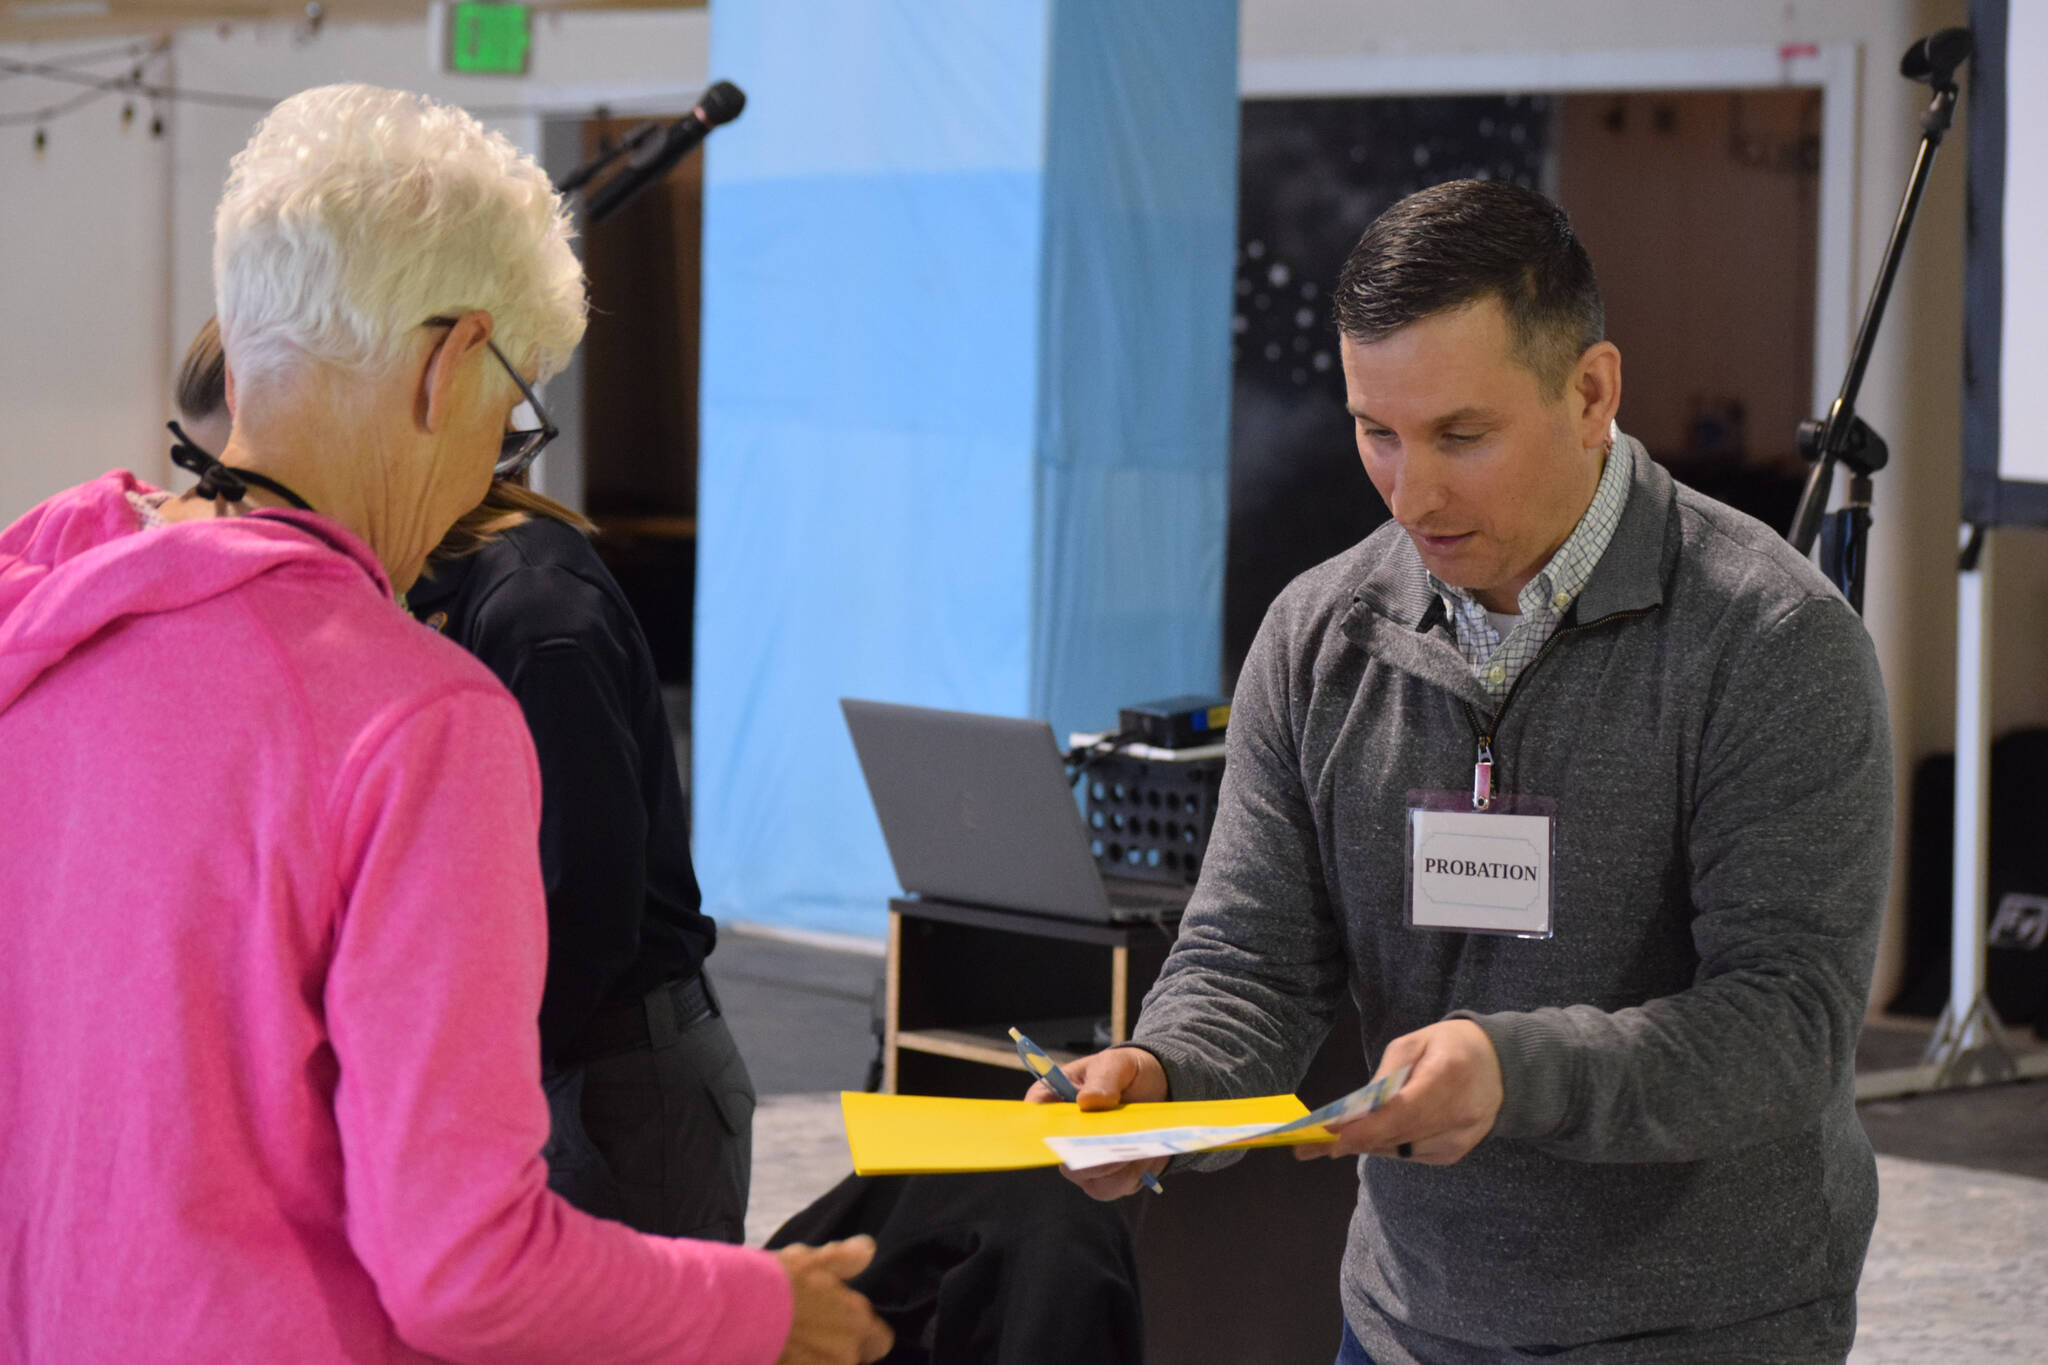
(976, 808)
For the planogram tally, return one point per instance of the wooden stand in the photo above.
(960, 977)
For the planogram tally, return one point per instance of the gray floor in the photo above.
(803, 1016)
(1955, 1269)
(1987, 1128)
(1956, 1266)
(799, 1153)
(2000, 1128)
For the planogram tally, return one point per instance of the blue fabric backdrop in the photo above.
(966, 367)
(1133, 448)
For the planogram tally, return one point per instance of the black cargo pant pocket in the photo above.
(660, 1137)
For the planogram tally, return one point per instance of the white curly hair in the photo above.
(357, 213)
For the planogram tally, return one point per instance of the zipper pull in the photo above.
(1482, 775)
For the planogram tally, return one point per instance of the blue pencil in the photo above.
(1040, 1064)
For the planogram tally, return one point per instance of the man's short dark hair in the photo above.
(1457, 243)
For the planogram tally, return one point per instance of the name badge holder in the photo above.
(1480, 863)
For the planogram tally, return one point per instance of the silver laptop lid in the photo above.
(976, 808)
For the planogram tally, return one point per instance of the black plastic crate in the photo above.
(1150, 818)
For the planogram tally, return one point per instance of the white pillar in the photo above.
(1973, 781)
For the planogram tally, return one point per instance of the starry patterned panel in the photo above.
(1312, 175)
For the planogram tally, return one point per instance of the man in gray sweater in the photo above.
(1580, 783)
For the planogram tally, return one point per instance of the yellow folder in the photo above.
(924, 1134)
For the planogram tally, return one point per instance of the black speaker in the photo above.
(1149, 818)
(2016, 949)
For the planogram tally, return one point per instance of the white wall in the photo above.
(83, 308)
(1912, 391)
(106, 240)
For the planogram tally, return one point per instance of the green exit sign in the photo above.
(493, 40)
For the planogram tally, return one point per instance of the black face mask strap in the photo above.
(224, 482)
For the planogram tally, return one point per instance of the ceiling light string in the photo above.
(135, 85)
(126, 52)
(216, 98)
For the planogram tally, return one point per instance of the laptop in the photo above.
(978, 809)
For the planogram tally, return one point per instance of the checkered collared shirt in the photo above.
(1545, 598)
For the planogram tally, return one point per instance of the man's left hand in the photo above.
(1443, 1110)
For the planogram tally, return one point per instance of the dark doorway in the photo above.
(640, 399)
(1702, 213)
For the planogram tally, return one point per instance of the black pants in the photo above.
(660, 1136)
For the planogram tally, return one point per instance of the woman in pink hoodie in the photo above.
(271, 917)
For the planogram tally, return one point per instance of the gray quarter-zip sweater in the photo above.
(1676, 1172)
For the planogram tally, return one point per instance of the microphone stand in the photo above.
(1843, 437)
(634, 142)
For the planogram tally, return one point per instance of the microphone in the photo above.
(656, 157)
(1934, 59)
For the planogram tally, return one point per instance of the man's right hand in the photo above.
(1122, 1075)
(833, 1325)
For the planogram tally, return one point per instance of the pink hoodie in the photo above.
(271, 942)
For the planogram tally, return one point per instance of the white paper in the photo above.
(1082, 1153)
(1480, 870)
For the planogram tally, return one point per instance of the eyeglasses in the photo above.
(528, 437)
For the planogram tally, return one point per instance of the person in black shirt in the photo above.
(652, 1104)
